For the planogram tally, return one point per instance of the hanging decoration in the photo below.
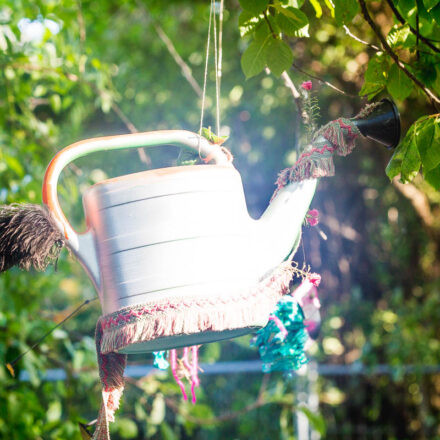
(175, 258)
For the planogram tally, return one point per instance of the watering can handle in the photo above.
(208, 152)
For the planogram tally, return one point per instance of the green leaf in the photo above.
(247, 22)
(345, 11)
(15, 165)
(279, 56)
(126, 428)
(411, 160)
(317, 8)
(254, 6)
(429, 4)
(428, 143)
(375, 76)
(54, 411)
(167, 433)
(291, 20)
(435, 13)
(398, 84)
(262, 31)
(401, 36)
(253, 59)
(394, 166)
(433, 178)
(411, 163)
(55, 102)
(315, 419)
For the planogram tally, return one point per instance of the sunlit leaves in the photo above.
(398, 83)
(401, 36)
(247, 22)
(254, 6)
(317, 7)
(269, 27)
(420, 147)
(279, 56)
(428, 143)
(375, 79)
(291, 20)
(253, 59)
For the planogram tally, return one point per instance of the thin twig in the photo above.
(323, 81)
(296, 96)
(186, 70)
(115, 107)
(131, 127)
(399, 17)
(355, 37)
(11, 364)
(433, 98)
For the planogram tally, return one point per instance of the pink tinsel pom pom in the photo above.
(307, 85)
(315, 279)
(312, 217)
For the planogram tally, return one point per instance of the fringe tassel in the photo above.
(111, 373)
(178, 317)
(335, 137)
(150, 321)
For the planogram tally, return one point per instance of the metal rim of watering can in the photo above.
(397, 119)
(381, 123)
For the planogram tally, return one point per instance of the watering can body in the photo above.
(176, 231)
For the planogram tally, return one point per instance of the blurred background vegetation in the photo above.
(73, 69)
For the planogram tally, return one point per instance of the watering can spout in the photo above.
(279, 228)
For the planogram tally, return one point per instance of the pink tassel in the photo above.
(194, 372)
(173, 363)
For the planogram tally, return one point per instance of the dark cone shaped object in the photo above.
(380, 122)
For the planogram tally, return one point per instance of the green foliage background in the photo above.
(380, 265)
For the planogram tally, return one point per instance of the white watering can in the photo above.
(184, 232)
(175, 231)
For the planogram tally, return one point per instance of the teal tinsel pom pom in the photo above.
(160, 360)
(283, 349)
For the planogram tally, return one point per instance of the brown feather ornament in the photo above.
(28, 237)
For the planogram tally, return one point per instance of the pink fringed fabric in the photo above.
(337, 137)
(176, 317)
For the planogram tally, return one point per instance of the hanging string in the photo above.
(205, 77)
(217, 61)
(217, 79)
(220, 46)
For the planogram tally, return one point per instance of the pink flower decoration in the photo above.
(307, 85)
(315, 279)
(312, 217)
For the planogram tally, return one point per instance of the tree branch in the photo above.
(350, 34)
(414, 31)
(433, 98)
(323, 81)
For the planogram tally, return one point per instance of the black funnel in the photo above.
(381, 123)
